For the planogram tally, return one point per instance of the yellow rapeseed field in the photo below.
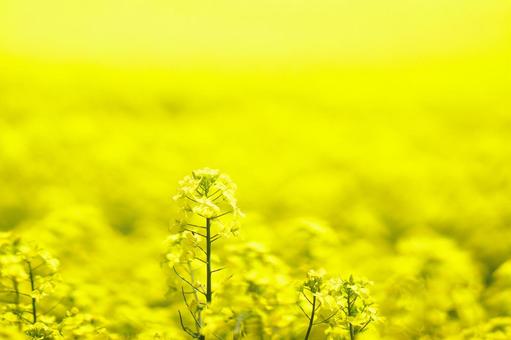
(255, 170)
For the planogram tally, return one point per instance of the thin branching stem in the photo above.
(17, 302)
(196, 296)
(216, 237)
(199, 259)
(191, 199)
(26, 320)
(202, 249)
(194, 232)
(365, 325)
(195, 225)
(305, 296)
(189, 308)
(311, 319)
(186, 329)
(213, 194)
(32, 286)
(218, 216)
(52, 307)
(188, 282)
(15, 291)
(326, 319)
(304, 312)
(349, 307)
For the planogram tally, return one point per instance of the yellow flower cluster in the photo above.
(207, 193)
(344, 307)
(29, 275)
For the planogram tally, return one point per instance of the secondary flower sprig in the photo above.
(344, 306)
(27, 274)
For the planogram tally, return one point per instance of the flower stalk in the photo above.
(311, 318)
(209, 292)
(32, 287)
(17, 310)
(206, 197)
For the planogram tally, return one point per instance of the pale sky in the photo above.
(235, 30)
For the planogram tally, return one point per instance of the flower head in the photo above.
(314, 281)
(207, 193)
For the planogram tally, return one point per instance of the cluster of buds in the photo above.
(344, 306)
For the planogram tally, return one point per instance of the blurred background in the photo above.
(387, 123)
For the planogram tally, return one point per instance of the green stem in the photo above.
(209, 292)
(311, 320)
(352, 331)
(32, 286)
(17, 302)
(208, 261)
